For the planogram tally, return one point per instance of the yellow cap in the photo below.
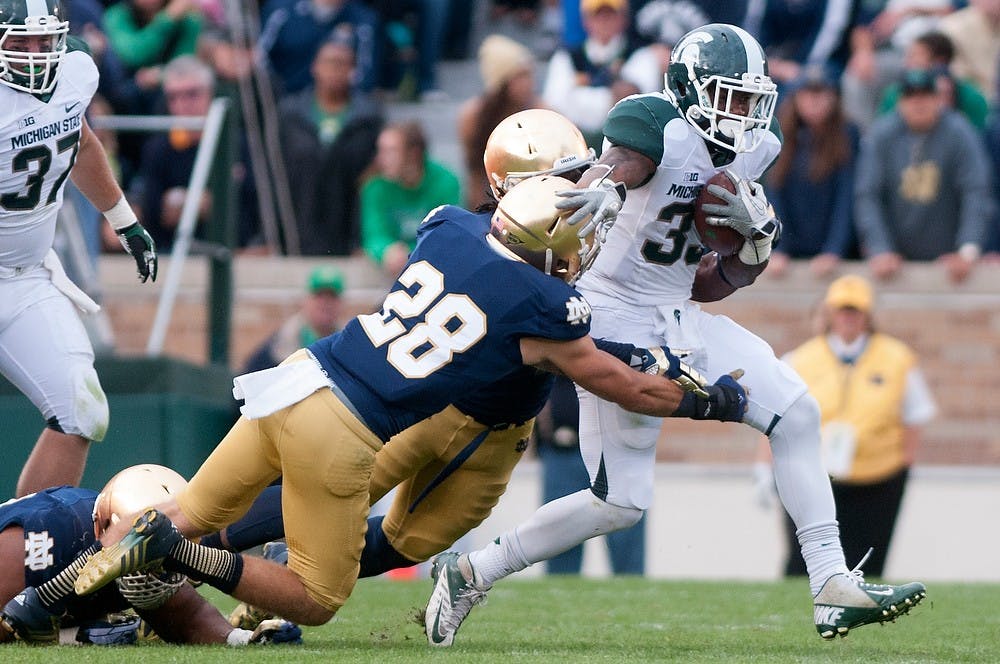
(591, 6)
(850, 291)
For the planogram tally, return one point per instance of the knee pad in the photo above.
(88, 412)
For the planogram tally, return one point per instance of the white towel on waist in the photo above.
(268, 391)
(67, 287)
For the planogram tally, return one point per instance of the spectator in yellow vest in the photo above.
(874, 401)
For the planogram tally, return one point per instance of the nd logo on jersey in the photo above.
(37, 550)
(577, 311)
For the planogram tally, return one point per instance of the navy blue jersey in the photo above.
(450, 325)
(58, 525)
(511, 400)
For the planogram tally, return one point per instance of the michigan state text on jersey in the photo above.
(46, 83)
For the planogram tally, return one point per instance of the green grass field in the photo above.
(570, 620)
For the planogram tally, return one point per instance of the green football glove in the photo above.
(140, 246)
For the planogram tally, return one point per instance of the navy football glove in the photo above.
(277, 631)
(726, 401)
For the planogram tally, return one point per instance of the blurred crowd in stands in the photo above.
(890, 111)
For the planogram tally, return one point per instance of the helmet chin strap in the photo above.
(548, 261)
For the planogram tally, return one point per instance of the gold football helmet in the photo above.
(528, 223)
(533, 142)
(133, 490)
(130, 491)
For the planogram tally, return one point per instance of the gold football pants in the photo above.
(420, 526)
(326, 457)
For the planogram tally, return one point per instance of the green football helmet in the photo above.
(718, 79)
(32, 43)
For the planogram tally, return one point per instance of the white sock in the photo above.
(498, 559)
(822, 552)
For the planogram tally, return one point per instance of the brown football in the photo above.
(721, 239)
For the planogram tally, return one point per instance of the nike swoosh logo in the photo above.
(436, 634)
(885, 593)
(70, 107)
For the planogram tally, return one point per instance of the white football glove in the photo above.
(601, 201)
(749, 213)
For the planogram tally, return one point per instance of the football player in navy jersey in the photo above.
(43, 532)
(451, 468)
(481, 296)
(46, 82)
(715, 115)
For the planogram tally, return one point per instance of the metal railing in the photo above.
(211, 126)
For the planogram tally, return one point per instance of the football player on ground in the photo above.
(42, 532)
(715, 114)
(482, 295)
(47, 82)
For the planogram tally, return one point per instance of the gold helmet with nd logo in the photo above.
(131, 491)
(534, 142)
(528, 223)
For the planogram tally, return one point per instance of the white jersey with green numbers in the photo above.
(38, 145)
(652, 251)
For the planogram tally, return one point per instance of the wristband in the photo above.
(120, 216)
(238, 637)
